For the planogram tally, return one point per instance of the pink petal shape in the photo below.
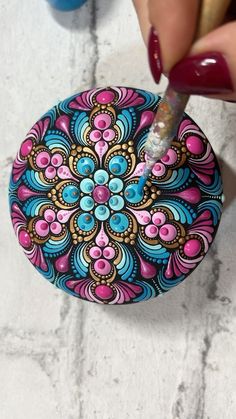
(147, 118)
(192, 195)
(64, 215)
(101, 148)
(64, 173)
(148, 271)
(102, 240)
(24, 193)
(138, 171)
(62, 264)
(143, 217)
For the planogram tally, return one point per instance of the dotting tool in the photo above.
(172, 106)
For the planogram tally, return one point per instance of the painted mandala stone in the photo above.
(76, 209)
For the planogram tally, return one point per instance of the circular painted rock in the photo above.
(77, 212)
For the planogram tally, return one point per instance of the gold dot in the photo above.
(127, 240)
(130, 149)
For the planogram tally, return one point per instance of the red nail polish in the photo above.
(202, 74)
(154, 55)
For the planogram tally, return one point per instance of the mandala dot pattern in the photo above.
(76, 209)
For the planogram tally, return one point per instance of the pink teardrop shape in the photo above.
(102, 239)
(192, 195)
(64, 215)
(147, 118)
(169, 270)
(101, 148)
(143, 217)
(138, 170)
(64, 172)
(205, 215)
(63, 123)
(62, 264)
(148, 271)
(24, 193)
(204, 178)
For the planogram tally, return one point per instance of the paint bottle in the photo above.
(66, 5)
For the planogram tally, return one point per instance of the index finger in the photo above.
(175, 24)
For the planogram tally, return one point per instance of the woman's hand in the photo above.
(205, 67)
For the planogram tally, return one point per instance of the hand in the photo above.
(207, 66)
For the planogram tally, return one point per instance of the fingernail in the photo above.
(202, 74)
(154, 55)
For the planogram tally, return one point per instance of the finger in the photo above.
(175, 24)
(141, 7)
(210, 67)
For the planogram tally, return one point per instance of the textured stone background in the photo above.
(171, 358)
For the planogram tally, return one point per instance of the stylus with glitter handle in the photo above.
(172, 106)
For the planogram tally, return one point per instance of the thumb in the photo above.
(210, 67)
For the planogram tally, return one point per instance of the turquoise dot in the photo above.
(116, 202)
(66, 4)
(85, 222)
(85, 166)
(132, 195)
(87, 185)
(101, 177)
(87, 203)
(115, 185)
(70, 194)
(102, 213)
(119, 222)
(118, 165)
